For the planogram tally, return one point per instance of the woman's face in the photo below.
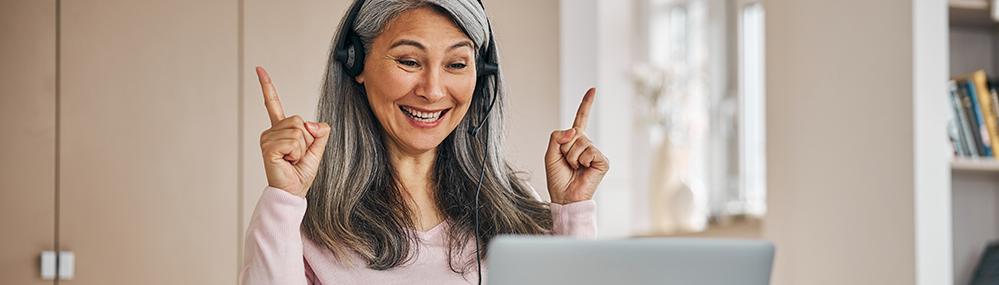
(419, 76)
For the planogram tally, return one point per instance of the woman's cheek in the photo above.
(464, 94)
(465, 89)
(389, 88)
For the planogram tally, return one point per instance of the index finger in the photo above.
(271, 100)
(583, 114)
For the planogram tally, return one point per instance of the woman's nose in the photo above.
(431, 88)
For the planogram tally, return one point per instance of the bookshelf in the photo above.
(973, 44)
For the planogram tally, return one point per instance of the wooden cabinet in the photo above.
(27, 146)
(125, 150)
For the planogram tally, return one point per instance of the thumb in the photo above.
(320, 131)
(558, 138)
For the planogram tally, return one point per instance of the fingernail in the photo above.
(313, 127)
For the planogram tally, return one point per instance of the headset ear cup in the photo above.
(351, 56)
(484, 68)
(486, 100)
(359, 54)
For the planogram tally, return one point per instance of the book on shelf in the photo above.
(957, 127)
(973, 129)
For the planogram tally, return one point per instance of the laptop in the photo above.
(525, 260)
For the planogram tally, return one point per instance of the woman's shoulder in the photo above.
(319, 256)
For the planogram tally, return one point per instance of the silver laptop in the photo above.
(661, 261)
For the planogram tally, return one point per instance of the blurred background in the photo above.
(835, 129)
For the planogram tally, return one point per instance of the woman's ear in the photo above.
(359, 78)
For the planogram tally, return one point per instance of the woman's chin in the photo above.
(422, 143)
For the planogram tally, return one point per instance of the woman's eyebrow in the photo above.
(462, 44)
(416, 44)
(407, 42)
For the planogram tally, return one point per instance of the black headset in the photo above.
(350, 53)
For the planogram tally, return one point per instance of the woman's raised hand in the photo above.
(573, 165)
(292, 147)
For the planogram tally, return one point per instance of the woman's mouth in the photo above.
(423, 118)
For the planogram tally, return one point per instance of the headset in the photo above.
(350, 53)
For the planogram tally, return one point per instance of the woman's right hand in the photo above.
(292, 147)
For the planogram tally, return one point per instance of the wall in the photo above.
(840, 141)
(291, 39)
(147, 126)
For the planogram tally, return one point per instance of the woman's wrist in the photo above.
(566, 201)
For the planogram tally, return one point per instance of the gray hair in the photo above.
(355, 203)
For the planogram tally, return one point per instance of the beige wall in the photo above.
(528, 40)
(840, 141)
(147, 159)
(291, 39)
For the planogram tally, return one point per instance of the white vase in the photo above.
(671, 201)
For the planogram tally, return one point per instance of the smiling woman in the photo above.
(391, 175)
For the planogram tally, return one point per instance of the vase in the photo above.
(671, 201)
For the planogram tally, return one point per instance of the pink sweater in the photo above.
(277, 253)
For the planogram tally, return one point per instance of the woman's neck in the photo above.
(414, 169)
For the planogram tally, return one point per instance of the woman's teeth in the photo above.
(421, 116)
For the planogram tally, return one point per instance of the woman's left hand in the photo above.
(573, 165)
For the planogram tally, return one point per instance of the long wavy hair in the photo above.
(356, 203)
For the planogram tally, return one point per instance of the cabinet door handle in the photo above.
(48, 265)
(67, 265)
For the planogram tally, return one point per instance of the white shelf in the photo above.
(971, 14)
(975, 164)
(969, 4)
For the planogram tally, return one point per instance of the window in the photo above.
(704, 86)
(752, 131)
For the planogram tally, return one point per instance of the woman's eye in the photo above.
(457, 65)
(408, 63)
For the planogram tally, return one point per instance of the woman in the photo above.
(382, 189)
